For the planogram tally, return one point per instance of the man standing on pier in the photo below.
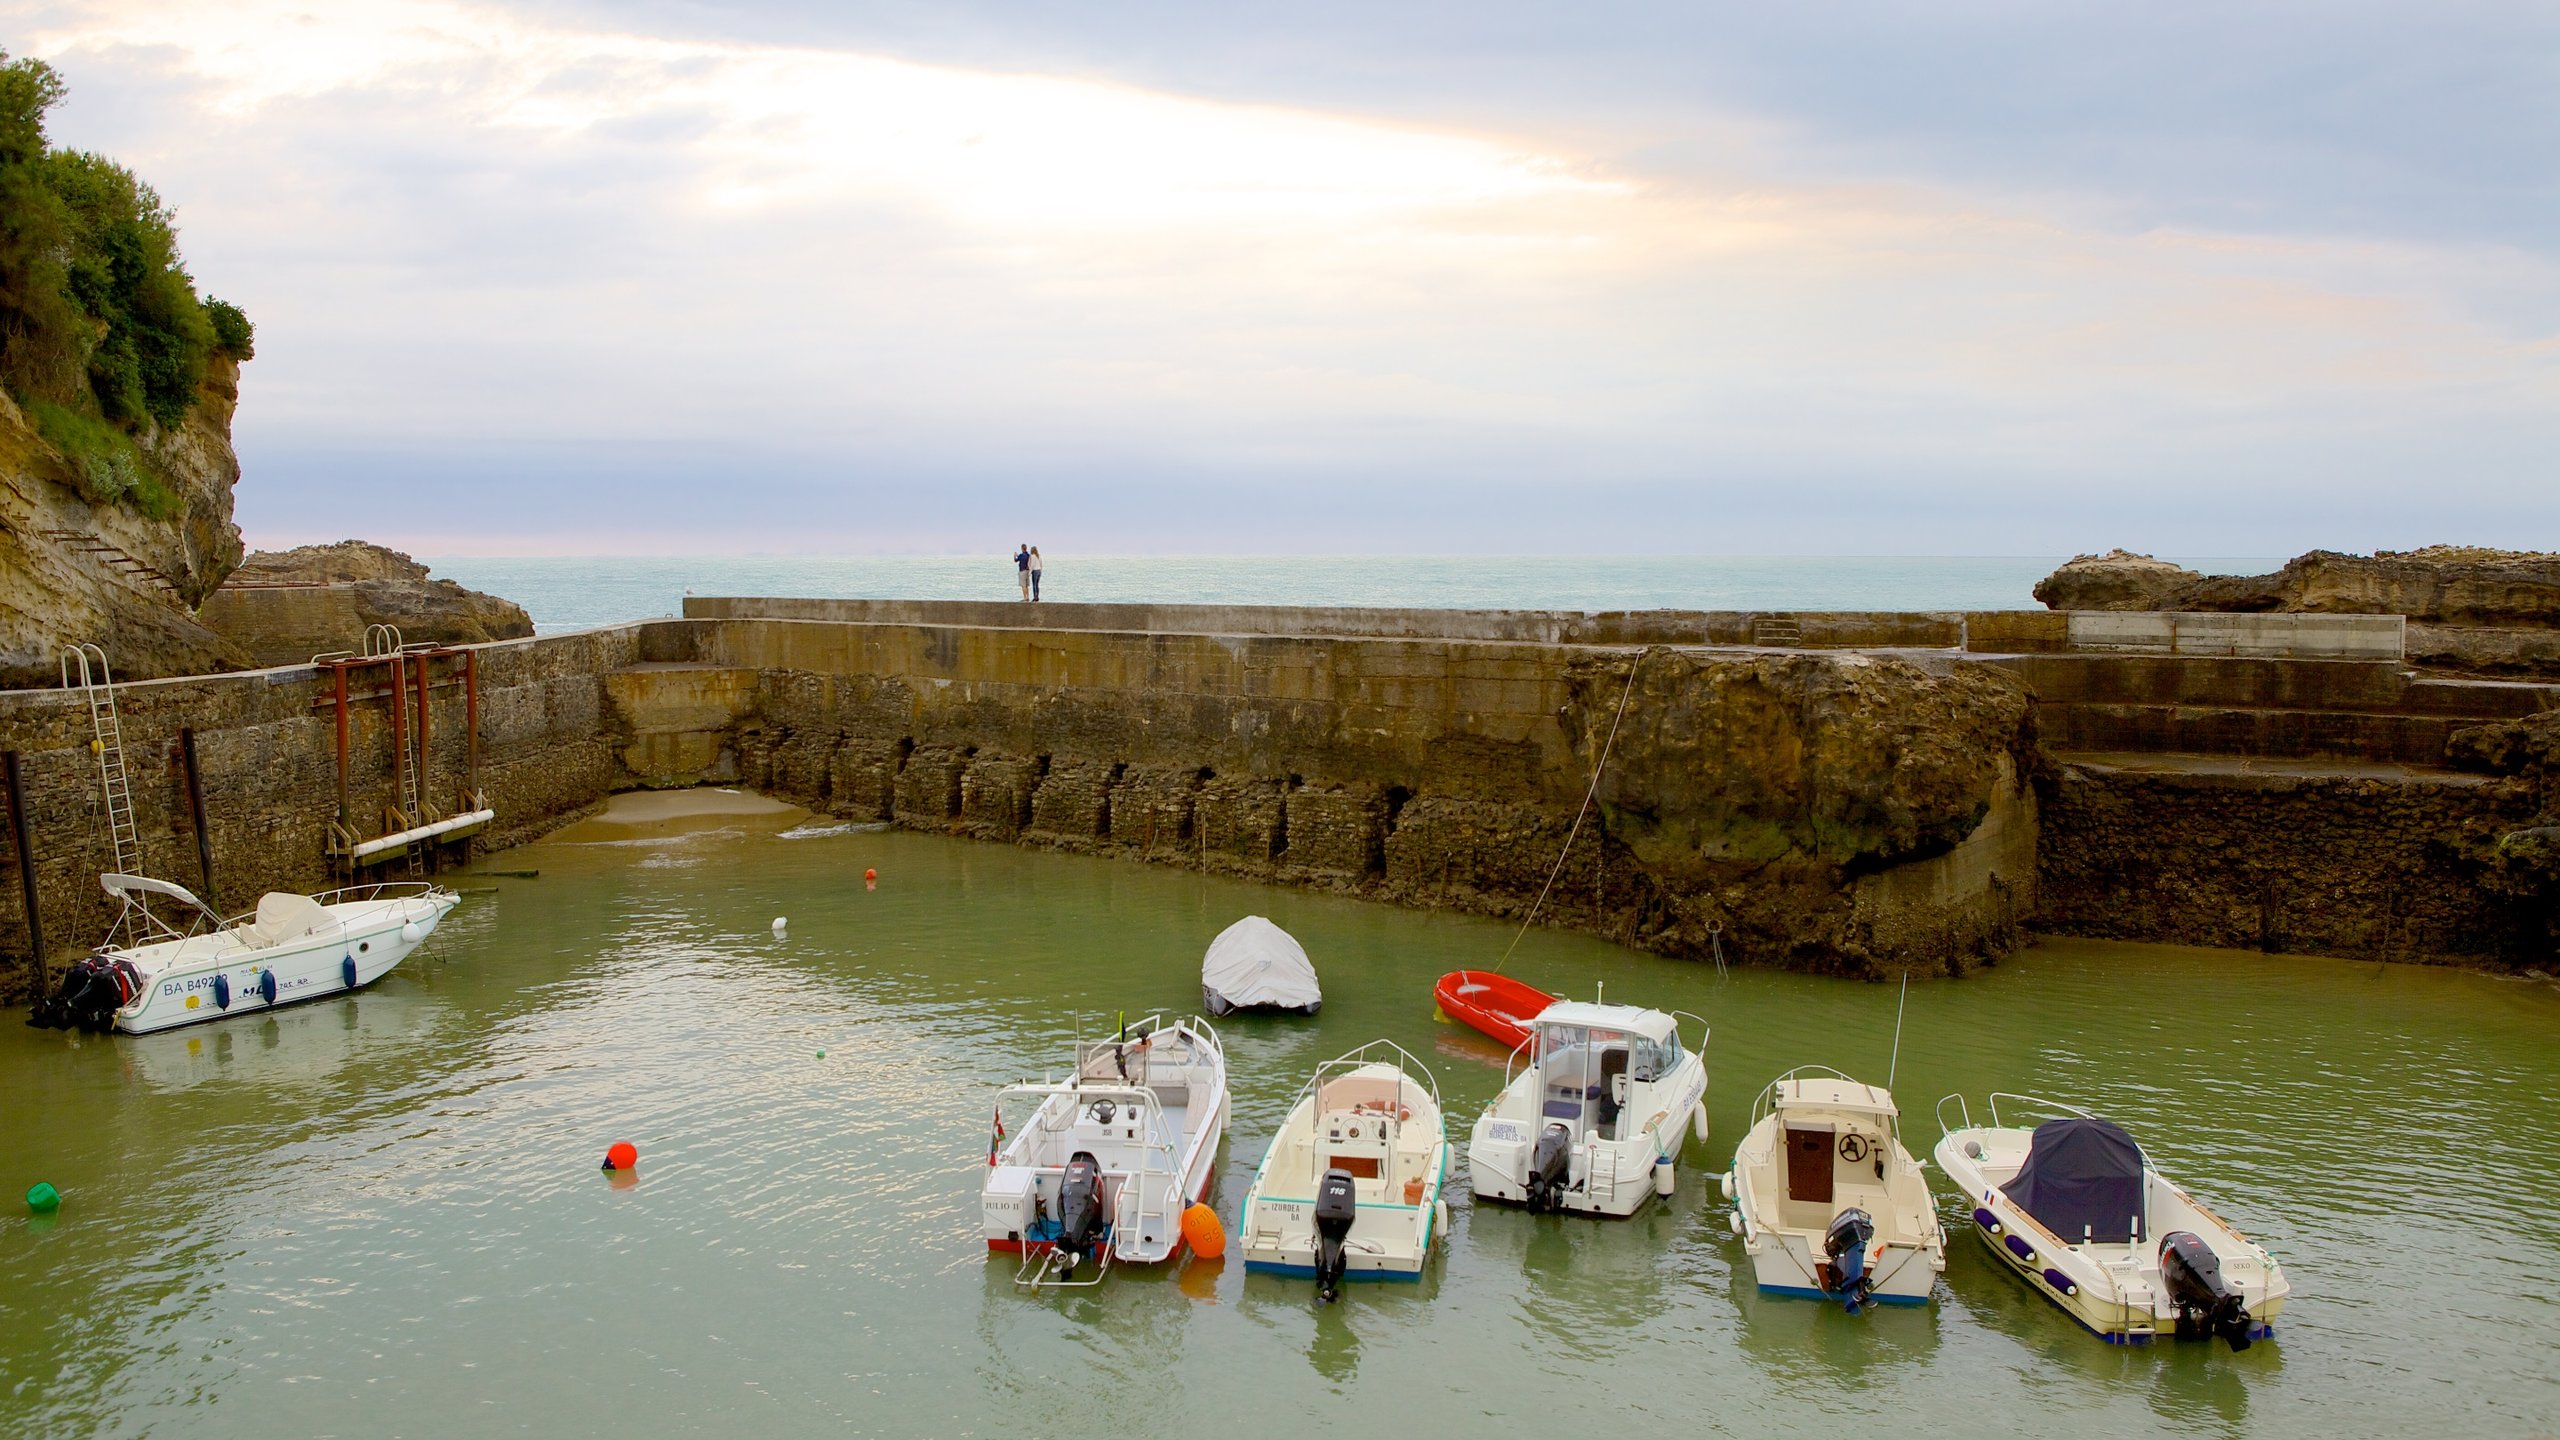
(1022, 567)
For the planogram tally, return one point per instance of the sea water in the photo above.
(572, 592)
(382, 1215)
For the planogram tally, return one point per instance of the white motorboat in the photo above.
(169, 960)
(1593, 1123)
(1101, 1165)
(1256, 965)
(1828, 1202)
(2075, 1207)
(1350, 1188)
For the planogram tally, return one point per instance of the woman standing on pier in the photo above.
(1035, 572)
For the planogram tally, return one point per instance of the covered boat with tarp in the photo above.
(1256, 965)
(2074, 1206)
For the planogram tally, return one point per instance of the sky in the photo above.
(793, 276)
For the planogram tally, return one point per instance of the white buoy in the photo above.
(780, 923)
(411, 933)
(1664, 1178)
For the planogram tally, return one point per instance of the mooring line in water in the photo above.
(1587, 795)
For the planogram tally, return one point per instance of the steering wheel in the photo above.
(1102, 1111)
(1853, 1147)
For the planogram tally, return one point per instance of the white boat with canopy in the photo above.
(1350, 1188)
(1593, 1123)
(1828, 1202)
(1099, 1167)
(1256, 965)
(2075, 1207)
(169, 960)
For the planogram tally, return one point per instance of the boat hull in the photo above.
(2114, 1291)
(316, 967)
(1497, 1005)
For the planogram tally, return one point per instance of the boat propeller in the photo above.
(1846, 1242)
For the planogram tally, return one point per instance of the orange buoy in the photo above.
(870, 879)
(1202, 1232)
(622, 1156)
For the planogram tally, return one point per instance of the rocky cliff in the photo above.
(282, 607)
(2473, 610)
(110, 574)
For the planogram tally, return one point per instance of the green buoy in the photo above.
(43, 1198)
(822, 1054)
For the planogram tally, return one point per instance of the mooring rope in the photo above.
(1588, 794)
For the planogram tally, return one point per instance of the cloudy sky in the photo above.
(673, 276)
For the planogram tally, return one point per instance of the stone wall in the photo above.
(2375, 866)
(266, 749)
(1831, 810)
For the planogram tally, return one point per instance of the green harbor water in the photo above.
(382, 1216)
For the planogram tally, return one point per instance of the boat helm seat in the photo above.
(284, 916)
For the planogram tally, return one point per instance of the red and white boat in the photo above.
(1495, 1004)
(1101, 1165)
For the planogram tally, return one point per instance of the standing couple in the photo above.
(1026, 569)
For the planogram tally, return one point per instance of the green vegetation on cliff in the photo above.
(102, 335)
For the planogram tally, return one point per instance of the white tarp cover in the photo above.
(1256, 963)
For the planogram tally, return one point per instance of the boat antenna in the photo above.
(1587, 796)
(1899, 1006)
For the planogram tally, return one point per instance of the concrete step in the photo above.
(2384, 738)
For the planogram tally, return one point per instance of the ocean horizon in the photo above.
(581, 591)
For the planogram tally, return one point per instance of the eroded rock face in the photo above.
(72, 572)
(2521, 863)
(345, 561)
(1769, 795)
(285, 606)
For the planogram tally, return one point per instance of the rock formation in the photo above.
(2470, 609)
(282, 607)
(109, 574)
(1808, 805)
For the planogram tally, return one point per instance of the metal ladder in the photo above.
(106, 741)
(385, 640)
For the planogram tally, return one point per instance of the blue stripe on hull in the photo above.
(1806, 1292)
(2117, 1337)
(1308, 1272)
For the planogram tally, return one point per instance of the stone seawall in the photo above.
(1854, 809)
(1830, 810)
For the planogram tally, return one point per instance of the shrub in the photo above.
(233, 335)
(100, 325)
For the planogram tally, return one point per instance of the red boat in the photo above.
(1495, 1004)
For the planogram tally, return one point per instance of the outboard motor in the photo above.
(1079, 1212)
(2207, 1305)
(1846, 1242)
(1337, 1205)
(90, 994)
(1550, 1168)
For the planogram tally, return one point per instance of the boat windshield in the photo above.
(1583, 1071)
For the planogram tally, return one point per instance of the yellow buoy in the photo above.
(1202, 1232)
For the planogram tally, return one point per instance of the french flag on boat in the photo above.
(996, 1141)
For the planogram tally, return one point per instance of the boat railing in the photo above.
(355, 895)
(1366, 1055)
(2036, 1101)
(1964, 1115)
(1767, 1104)
(1703, 1032)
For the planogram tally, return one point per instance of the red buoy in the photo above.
(623, 1156)
(870, 879)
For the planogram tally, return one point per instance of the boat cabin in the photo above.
(1836, 1139)
(1589, 1058)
